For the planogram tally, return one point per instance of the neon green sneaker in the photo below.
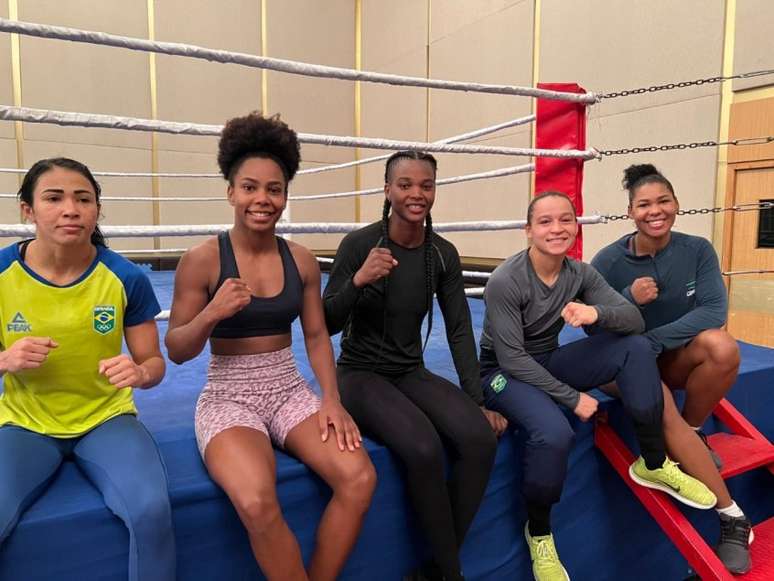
(670, 479)
(546, 565)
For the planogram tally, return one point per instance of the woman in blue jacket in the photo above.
(675, 280)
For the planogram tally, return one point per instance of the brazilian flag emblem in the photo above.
(104, 319)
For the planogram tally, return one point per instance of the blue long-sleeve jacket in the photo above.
(691, 293)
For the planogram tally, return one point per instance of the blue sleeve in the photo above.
(709, 313)
(141, 302)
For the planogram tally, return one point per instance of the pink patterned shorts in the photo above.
(263, 391)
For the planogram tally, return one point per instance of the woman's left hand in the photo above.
(333, 414)
(122, 371)
(577, 314)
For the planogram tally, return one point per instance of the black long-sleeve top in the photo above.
(362, 314)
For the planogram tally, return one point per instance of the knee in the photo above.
(151, 512)
(554, 440)
(638, 346)
(722, 349)
(479, 445)
(355, 486)
(258, 510)
(425, 455)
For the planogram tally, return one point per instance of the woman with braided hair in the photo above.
(380, 289)
(242, 290)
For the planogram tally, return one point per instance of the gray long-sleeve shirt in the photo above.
(523, 317)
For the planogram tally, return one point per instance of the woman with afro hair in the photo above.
(242, 290)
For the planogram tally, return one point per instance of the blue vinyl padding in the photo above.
(601, 531)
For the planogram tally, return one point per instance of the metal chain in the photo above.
(694, 211)
(683, 84)
(692, 145)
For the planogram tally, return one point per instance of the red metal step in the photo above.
(762, 553)
(677, 527)
(740, 453)
(757, 449)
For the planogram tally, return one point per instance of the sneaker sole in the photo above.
(669, 491)
(566, 574)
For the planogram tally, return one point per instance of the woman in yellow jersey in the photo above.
(66, 304)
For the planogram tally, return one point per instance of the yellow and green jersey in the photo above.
(66, 396)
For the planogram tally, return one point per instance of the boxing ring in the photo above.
(601, 530)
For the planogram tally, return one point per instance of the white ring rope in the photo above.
(454, 139)
(469, 292)
(129, 174)
(152, 251)
(274, 64)
(313, 170)
(496, 173)
(476, 274)
(143, 198)
(9, 113)
(468, 274)
(113, 231)
(506, 171)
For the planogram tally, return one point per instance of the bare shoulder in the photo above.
(199, 261)
(305, 260)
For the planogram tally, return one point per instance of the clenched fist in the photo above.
(122, 371)
(26, 353)
(577, 314)
(586, 407)
(378, 264)
(232, 296)
(644, 290)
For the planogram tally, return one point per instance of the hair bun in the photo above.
(635, 173)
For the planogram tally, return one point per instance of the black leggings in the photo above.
(414, 415)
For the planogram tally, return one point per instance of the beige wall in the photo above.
(603, 45)
(8, 182)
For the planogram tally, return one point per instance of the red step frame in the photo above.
(677, 527)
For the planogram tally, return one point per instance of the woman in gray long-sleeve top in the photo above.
(525, 372)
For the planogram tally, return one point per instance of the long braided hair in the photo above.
(428, 242)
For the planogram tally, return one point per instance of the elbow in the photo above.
(175, 357)
(638, 322)
(174, 353)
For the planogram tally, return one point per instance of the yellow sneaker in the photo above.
(670, 479)
(546, 565)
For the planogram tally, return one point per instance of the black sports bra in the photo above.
(263, 315)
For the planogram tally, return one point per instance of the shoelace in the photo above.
(546, 550)
(672, 474)
(735, 530)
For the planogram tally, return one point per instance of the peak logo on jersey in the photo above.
(104, 319)
(19, 324)
(690, 288)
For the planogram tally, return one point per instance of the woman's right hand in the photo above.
(644, 290)
(232, 296)
(26, 353)
(378, 264)
(586, 407)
